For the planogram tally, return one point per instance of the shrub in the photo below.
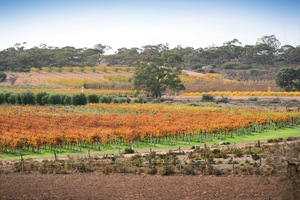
(128, 100)
(167, 169)
(139, 100)
(208, 98)
(253, 99)
(152, 170)
(56, 69)
(255, 156)
(189, 170)
(6, 95)
(39, 96)
(79, 99)
(27, 97)
(2, 76)
(129, 150)
(12, 99)
(104, 99)
(116, 69)
(2, 98)
(115, 100)
(18, 98)
(45, 99)
(122, 100)
(238, 153)
(223, 100)
(67, 100)
(55, 99)
(93, 98)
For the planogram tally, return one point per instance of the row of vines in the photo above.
(239, 93)
(101, 125)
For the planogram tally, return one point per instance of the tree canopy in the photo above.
(232, 55)
(157, 76)
(288, 79)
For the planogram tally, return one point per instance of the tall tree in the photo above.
(156, 77)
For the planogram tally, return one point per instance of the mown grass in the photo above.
(270, 134)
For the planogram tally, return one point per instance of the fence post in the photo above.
(232, 166)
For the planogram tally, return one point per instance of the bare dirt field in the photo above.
(126, 186)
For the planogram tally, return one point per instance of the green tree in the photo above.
(2, 77)
(156, 77)
(289, 79)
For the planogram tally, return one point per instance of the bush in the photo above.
(152, 170)
(79, 99)
(93, 98)
(27, 97)
(208, 98)
(2, 77)
(115, 100)
(223, 100)
(129, 150)
(55, 99)
(105, 99)
(139, 100)
(67, 100)
(39, 96)
(2, 98)
(18, 98)
(45, 99)
(255, 156)
(238, 153)
(12, 99)
(128, 100)
(167, 169)
(6, 95)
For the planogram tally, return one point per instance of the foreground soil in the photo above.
(128, 186)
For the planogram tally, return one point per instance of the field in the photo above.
(120, 186)
(32, 130)
(133, 146)
(121, 78)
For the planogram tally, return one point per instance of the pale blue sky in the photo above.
(133, 23)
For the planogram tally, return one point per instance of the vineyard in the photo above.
(238, 93)
(100, 126)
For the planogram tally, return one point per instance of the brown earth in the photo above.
(126, 186)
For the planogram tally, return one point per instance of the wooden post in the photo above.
(89, 153)
(119, 147)
(260, 161)
(232, 166)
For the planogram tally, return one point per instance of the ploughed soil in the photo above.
(128, 186)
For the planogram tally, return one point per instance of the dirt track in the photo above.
(126, 186)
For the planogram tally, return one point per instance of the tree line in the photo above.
(231, 55)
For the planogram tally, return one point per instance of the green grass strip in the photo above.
(266, 135)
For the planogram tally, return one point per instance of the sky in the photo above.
(135, 23)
